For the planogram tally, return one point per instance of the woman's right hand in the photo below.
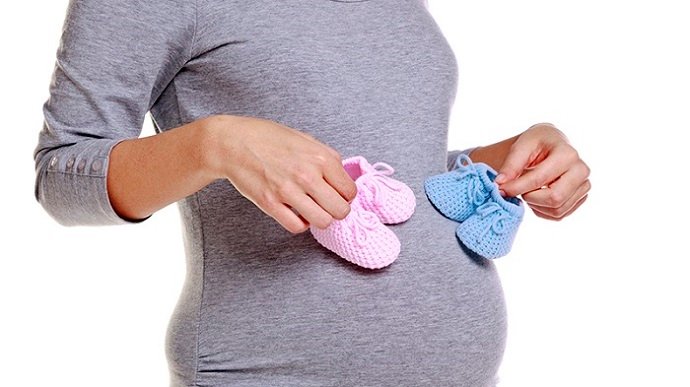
(288, 174)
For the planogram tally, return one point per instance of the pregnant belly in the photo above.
(296, 315)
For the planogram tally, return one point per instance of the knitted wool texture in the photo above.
(457, 194)
(491, 230)
(391, 200)
(468, 194)
(360, 238)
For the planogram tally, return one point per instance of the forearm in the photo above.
(147, 174)
(280, 169)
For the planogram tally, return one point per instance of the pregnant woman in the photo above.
(256, 102)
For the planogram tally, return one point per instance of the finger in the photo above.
(330, 200)
(562, 189)
(336, 176)
(544, 173)
(544, 212)
(334, 173)
(518, 159)
(287, 218)
(271, 204)
(310, 211)
(566, 207)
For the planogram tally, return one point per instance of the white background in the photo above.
(600, 299)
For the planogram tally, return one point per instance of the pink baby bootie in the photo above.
(391, 200)
(360, 238)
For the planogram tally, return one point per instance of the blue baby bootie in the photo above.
(456, 194)
(491, 230)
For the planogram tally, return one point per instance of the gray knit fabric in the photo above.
(262, 307)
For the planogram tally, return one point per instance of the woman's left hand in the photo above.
(547, 171)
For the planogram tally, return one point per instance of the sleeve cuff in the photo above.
(71, 184)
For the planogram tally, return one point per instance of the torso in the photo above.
(262, 307)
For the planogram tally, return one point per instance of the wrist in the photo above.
(220, 143)
(495, 154)
(209, 146)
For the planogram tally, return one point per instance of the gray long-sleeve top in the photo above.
(262, 307)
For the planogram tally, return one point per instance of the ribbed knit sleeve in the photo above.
(114, 60)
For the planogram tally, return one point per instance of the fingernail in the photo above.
(502, 192)
(500, 179)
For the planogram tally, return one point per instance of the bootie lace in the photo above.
(376, 178)
(361, 224)
(498, 224)
(475, 189)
